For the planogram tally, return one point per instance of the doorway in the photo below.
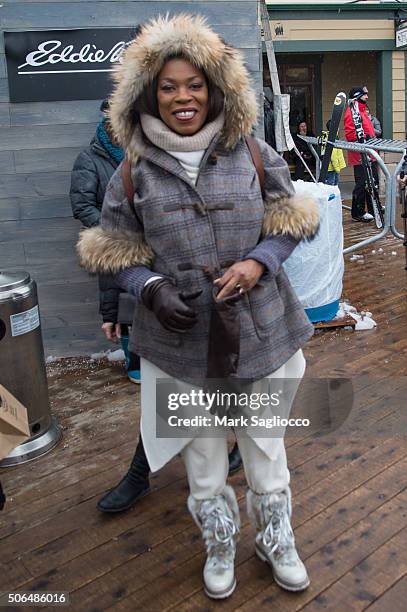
(300, 76)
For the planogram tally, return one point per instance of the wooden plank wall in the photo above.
(38, 145)
(334, 29)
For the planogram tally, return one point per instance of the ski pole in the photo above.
(305, 164)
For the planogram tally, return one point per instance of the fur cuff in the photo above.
(110, 252)
(297, 216)
(228, 495)
(259, 506)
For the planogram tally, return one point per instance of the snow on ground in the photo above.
(363, 319)
(51, 359)
(112, 356)
(115, 355)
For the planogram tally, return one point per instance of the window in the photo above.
(298, 81)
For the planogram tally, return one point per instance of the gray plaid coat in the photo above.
(178, 229)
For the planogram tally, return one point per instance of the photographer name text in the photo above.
(240, 421)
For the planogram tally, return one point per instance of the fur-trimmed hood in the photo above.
(190, 36)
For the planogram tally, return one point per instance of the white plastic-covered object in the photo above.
(316, 268)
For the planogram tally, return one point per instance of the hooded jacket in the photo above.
(91, 173)
(192, 233)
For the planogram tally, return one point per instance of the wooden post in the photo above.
(271, 56)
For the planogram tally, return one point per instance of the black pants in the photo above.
(301, 173)
(360, 197)
(139, 469)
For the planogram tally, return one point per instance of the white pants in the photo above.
(267, 454)
(264, 460)
(207, 465)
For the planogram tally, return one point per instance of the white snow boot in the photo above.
(275, 544)
(218, 519)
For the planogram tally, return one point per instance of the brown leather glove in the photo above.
(169, 305)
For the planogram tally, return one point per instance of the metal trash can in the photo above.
(22, 365)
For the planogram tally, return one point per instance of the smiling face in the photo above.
(182, 96)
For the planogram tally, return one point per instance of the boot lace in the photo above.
(278, 536)
(219, 531)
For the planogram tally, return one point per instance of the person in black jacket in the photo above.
(91, 174)
(301, 172)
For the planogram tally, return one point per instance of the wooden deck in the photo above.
(349, 498)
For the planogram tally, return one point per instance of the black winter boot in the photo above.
(235, 460)
(131, 488)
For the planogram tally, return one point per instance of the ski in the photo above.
(371, 186)
(337, 112)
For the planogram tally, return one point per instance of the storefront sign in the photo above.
(63, 64)
(401, 35)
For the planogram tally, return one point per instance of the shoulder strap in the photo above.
(127, 182)
(254, 149)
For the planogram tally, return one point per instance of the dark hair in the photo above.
(105, 105)
(147, 101)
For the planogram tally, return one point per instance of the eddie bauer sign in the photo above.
(53, 65)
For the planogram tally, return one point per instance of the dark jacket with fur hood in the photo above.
(179, 229)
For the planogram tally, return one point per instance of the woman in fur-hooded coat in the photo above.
(199, 224)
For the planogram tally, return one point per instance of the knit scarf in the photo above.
(114, 152)
(164, 138)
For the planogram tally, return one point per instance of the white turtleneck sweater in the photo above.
(190, 161)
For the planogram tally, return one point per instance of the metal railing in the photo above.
(371, 147)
